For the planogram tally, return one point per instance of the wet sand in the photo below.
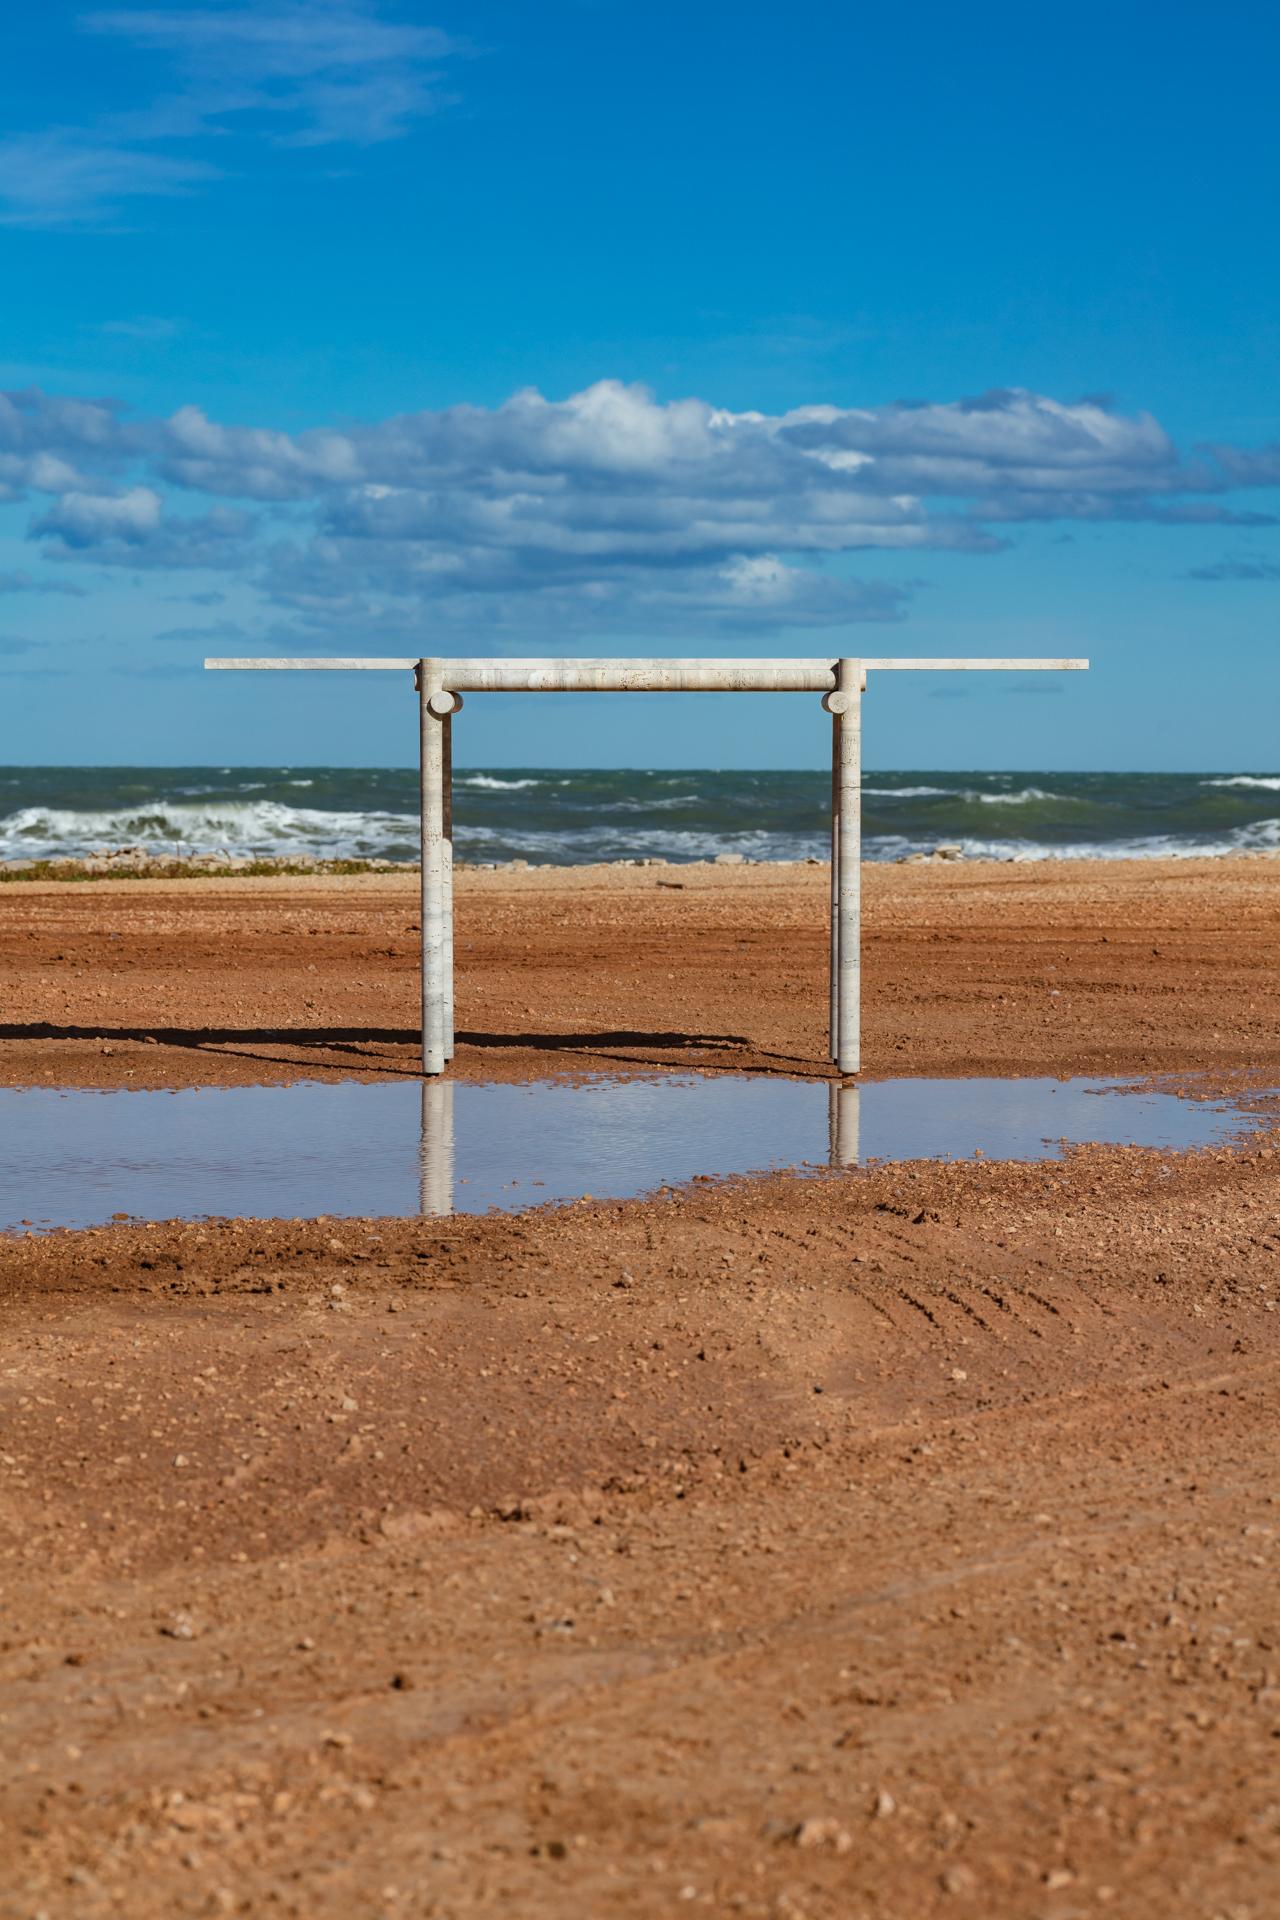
(885, 1545)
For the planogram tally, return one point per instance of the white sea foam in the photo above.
(910, 793)
(262, 828)
(493, 784)
(1269, 782)
(1261, 836)
(645, 805)
(1018, 799)
(272, 829)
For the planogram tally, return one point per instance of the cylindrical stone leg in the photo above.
(447, 728)
(849, 868)
(435, 1187)
(834, 971)
(434, 955)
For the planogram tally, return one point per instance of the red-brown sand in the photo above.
(866, 1547)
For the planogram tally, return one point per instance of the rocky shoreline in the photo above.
(136, 863)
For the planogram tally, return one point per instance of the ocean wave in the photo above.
(493, 784)
(1019, 799)
(582, 845)
(963, 796)
(645, 804)
(602, 816)
(1261, 836)
(912, 793)
(264, 829)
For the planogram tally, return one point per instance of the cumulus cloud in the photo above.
(1009, 455)
(49, 443)
(131, 529)
(252, 461)
(299, 73)
(32, 421)
(89, 519)
(604, 511)
(335, 592)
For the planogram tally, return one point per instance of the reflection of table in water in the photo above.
(842, 1124)
(435, 1177)
(436, 1153)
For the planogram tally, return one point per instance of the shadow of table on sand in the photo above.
(639, 1047)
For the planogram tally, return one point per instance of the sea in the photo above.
(583, 815)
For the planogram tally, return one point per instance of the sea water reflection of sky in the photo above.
(76, 1158)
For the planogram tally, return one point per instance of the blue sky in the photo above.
(595, 327)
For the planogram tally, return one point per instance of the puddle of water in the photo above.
(75, 1158)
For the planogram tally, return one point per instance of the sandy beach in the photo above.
(1036, 967)
(844, 1548)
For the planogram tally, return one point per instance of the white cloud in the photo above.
(331, 69)
(620, 443)
(252, 461)
(334, 594)
(300, 73)
(131, 529)
(602, 511)
(65, 175)
(36, 422)
(47, 441)
(87, 519)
